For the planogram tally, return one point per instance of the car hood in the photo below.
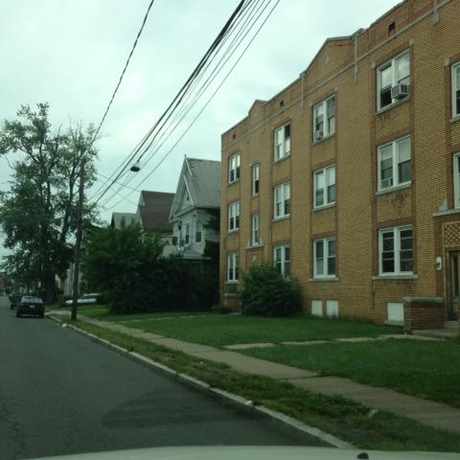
(253, 453)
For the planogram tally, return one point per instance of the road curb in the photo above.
(235, 400)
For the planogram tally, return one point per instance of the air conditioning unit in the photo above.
(319, 134)
(400, 91)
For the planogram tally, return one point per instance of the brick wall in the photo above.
(359, 211)
(424, 313)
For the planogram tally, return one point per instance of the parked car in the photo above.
(30, 305)
(86, 299)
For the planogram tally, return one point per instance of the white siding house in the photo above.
(194, 213)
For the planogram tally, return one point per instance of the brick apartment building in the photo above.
(349, 178)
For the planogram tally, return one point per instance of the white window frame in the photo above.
(255, 175)
(326, 257)
(395, 80)
(455, 88)
(233, 262)
(396, 250)
(234, 216)
(282, 196)
(456, 180)
(395, 163)
(283, 262)
(329, 181)
(282, 142)
(234, 170)
(320, 110)
(255, 230)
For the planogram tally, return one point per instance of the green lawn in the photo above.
(220, 330)
(103, 313)
(426, 369)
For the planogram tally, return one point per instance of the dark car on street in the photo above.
(30, 305)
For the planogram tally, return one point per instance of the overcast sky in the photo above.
(70, 54)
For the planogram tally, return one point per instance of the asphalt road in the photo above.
(61, 393)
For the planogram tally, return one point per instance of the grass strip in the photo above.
(220, 330)
(424, 369)
(343, 418)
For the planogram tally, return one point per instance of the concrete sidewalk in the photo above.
(426, 412)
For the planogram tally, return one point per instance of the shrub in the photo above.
(266, 292)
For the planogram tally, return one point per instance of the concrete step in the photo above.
(452, 324)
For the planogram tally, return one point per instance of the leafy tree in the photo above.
(38, 214)
(116, 261)
(127, 266)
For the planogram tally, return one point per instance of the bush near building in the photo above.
(266, 292)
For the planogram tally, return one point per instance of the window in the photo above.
(456, 90)
(282, 198)
(255, 179)
(393, 80)
(394, 163)
(198, 232)
(457, 180)
(324, 258)
(395, 313)
(324, 184)
(187, 233)
(332, 308)
(232, 266)
(282, 259)
(317, 307)
(234, 168)
(234, 216)
(324, 119)
(396, 251)
(255, 230)
(282, 142)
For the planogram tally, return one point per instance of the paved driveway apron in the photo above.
(61, 393)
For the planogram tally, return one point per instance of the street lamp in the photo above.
(136, 167)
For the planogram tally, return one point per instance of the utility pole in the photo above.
(76, 271)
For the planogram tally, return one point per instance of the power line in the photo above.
(180, 95)
(128, 60)
(253, 8)
(211, 97)
(207, 102)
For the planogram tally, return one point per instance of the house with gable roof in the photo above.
(194, 212)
